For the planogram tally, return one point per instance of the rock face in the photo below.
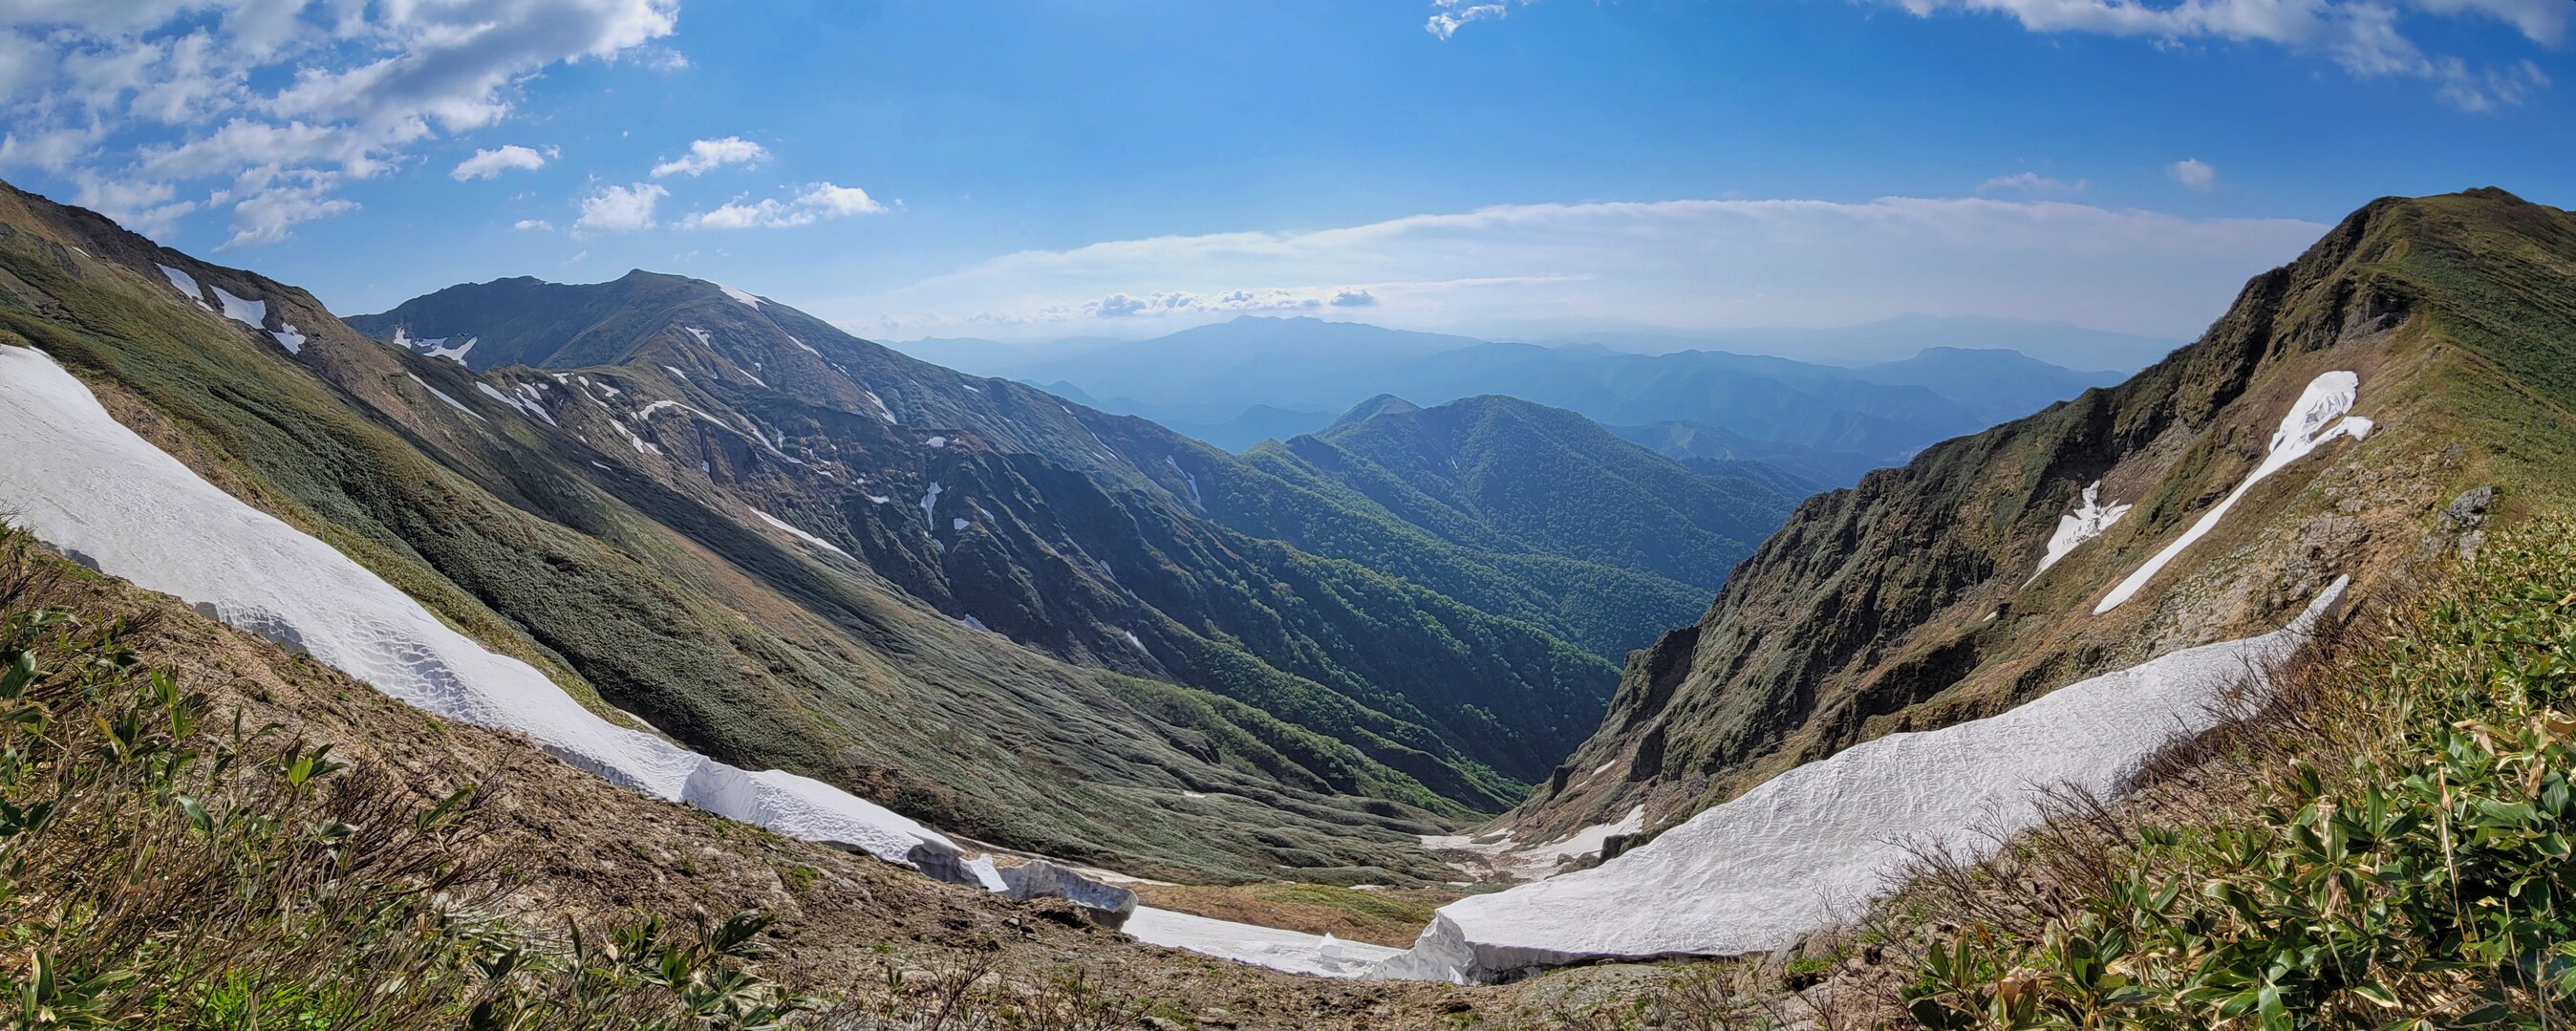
(1909, 602)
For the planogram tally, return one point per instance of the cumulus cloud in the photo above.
(619, 209)
(269, 108)
(707, 155)
(819, 201)
(2031, 183)
(2194, 174)
(486, 164)
(1689, 264)
(2365, 37)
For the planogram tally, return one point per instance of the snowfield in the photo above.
(1295, 952)
(2305, 429)
(1818, 842)
(81, 481)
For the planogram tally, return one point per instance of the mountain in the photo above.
(1527, 477)
(1892, 339)
(1994, 383)
(2210, 497)
(1215, 379)
(1256, 424)
(1068, 660)
(1710, 449)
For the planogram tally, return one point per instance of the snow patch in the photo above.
(83, 481)
(1822, 840)
(1534, 861)
(882, 410)
(696, 332)
(937, 442)
(288, 338)
(956, 524)
(739, 295)
(1131, 639)
(972, 623)
(2085, 523)
(242, 309)
(187, 284)
(797, 533)
(1193, 481)
(808, 348)
(531, 406)
(1294, 952)
(442, 395)
(2326, 400)
(929, 501)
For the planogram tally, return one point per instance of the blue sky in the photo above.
(1032, 170)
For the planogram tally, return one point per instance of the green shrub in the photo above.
(2403, 859)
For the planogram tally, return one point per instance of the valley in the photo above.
(1452, 665)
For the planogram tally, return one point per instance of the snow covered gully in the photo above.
(85, 483)
(1822, 840)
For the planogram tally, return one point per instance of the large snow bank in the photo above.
(2305, 429)
(1819, 842)
(1293, 951)
(242, 309)
(82, 481)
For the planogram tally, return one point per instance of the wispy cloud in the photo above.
(1684, 263)
(2365, 37)
(619, 209)
(486, 164)
(818, 202)
(2031, 183)
(2194, 174)
(707, 155)
(268, 109)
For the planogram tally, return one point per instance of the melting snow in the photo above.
(1131, 639)
(956, 524)
(434, 347)
(698, 333)
(2305, 429)
(86, 482)
(1820, 841)
(876, 499)
(937, 442)
(2087, 522)
(929, 500)
(1292, 951)
(882, 410)
(1185, 475)
(799, 534)
(808, 348)
(972, 623)
(739, 295)
(1539, 860)
(442, 395)
(288, 338)
(187, 284)
(532, 407)
(242, 309)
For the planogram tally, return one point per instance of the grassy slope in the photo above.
(993, 742)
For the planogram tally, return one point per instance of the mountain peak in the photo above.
(1383, 404)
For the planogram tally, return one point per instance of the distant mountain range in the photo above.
(1234, 384)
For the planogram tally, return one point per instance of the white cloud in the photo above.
(2031, 183)
(706, 155)
(619, 209)
(2364, 36)
(536, 225)
(1692, 264)
(486, 164)
(2194, 174)
(819, 201)
(242, 98)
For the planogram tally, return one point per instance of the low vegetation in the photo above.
(2384, 843)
